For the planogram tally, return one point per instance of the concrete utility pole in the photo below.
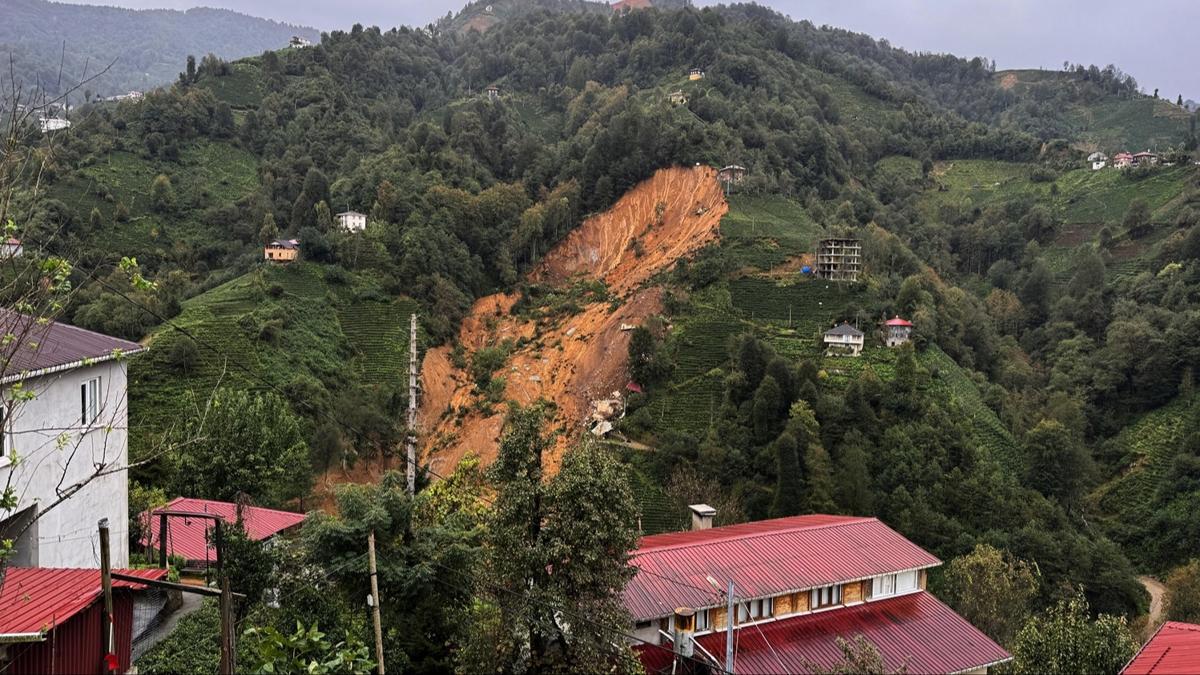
(411, 433)
(729, 630)
(106, 625)
(375, 601)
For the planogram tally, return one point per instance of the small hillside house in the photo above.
(72, 431)
(798, 585)
(695, 74)
(352, 221)
(282, 250)
(1122, 160)
(51, 620)
(677, 97)
(844, 339)
(732, 174)
(896, 331)
(1145, 158)
(50, 124)
(493, 92)
(11, 248)
(1174, 648)
(1098, 160)
(839, 259)
(623, 5)
(298, 42)
(192, 538)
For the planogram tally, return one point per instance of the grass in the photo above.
(242, 88)
(361, 342)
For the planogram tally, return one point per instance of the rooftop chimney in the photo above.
(702, 516)
(684, 634)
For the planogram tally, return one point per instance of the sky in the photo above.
(1156, 41)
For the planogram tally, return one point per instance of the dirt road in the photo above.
(1156, 590)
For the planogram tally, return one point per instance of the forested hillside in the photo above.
(1057, 309)
(58, 45)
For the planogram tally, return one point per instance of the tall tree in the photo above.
(1066, 640)
(1058, 464)
(1182, 600)
(853, 479)
(789, 491)
(818, 480)
(992, 590)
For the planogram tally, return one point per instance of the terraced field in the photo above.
(989, 432)
(242, 88)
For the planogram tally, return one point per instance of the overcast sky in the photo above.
(1156, 41)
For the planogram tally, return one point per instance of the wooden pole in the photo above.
(375, 601)
(228, 661)
(106, 621)
(162, 541)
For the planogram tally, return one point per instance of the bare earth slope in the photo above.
(574, 359)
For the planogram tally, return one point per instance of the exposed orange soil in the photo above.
(575, 359)
(1008, 81)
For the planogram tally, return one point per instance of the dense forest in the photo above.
(56, 45)
(1064, 306)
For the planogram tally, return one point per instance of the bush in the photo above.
(182, 355)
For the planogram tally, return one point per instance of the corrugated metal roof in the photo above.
(764, 558)
(187, 537)
(897, 321)
(41, 346)
(915, 631)
(40, 598)
(845, 329)
(1174, 649)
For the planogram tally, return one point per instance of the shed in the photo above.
(51, 620)
(189, 538)
(493, 92)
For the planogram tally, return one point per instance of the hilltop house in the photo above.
(695, 74)
(623, 5)
(131, 96)
(282, 250)
(191, 538)
(1098, 160)
(1122, 160)
(1146, 158)
(72, 432)
(896, 331)
(798, 584)
(1174, 648)
(50, 620)
(844, 338)
(839, 259)
(11, 248)
(493, 92)
(352, 221)
(298, 42)
(732, 174)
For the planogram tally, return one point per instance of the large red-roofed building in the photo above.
(51, 620)
(190, 537)
(1173, 650)
(800, 583)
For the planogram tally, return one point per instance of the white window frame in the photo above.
(89, 401)
(897, 583)
(834, 594)
(756, 610)
(703, 620)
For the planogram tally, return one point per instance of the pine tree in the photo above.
(788, 488)
(818, 475)
(162, 194)
(269, 232)
(853, 479)
(767, 410)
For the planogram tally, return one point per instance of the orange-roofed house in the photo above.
(799, 584)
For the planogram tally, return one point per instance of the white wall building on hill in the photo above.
(352, 221)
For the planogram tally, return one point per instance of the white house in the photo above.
(1098, 159)
(352, 221)
(48, 124)
(298, 42)
(11, 248)
(844, 338)
(63, 428)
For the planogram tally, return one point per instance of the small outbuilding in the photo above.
(844, 339)
(897, 331)
(11, 248)
(493, 92)
(677, 97)
(732, 174)
(695, 74)
(282, 250)
(1098, 160)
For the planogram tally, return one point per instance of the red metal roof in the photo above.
(897, 321)
(764, 558)
(188, 537)
(1174, 649)
(914, 631)
(44, 345)
(39, 598)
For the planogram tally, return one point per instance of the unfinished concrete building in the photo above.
(839, 259)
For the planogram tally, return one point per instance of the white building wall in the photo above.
(352, 222)
(56, 451)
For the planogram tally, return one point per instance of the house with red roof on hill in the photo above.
(1174, 649)
(896, 331)
(799, 585)
(191, 538)
(51, 620)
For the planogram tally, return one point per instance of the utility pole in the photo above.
(375, 600)
(106, 622)
(410, 432)
(228, 658)
(729, 629)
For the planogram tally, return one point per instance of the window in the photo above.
(894, 584)
(703, 620)
(827, 596)
(754, 610)
(89, 398)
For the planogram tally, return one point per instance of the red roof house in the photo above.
(189, 537)
(800, 583)
(50, 620)
(897, 331)
(1174, 649)
(622, 5)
